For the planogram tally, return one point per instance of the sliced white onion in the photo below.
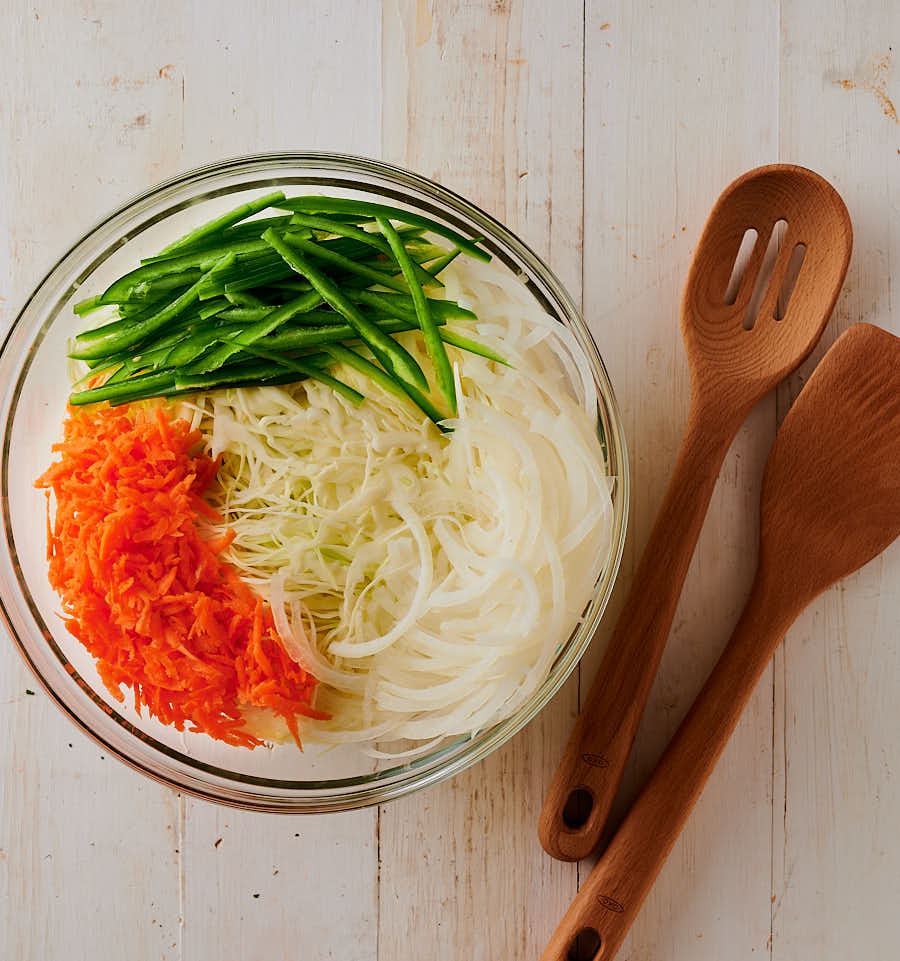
(428, 581)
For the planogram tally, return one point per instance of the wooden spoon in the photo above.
(731, 369)
(830, 503)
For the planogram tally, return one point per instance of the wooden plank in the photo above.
(292, 76)
(259, 887)
(836, 869)
(487, 100)
(136, 106)
(88, 849)
(305, 76)
(669, 121)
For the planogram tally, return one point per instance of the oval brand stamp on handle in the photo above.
(595, 760)
(610, 904)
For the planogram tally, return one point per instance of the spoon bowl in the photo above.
(786, 212)
(831, 491)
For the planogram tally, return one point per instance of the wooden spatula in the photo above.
(732, 367)
(830, 503)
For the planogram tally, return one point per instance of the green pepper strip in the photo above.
(391, 355)
(226, 220)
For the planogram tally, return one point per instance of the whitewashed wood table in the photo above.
(601, 132)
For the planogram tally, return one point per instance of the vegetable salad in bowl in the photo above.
(331, 473)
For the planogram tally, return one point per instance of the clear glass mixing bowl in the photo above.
(35, 383)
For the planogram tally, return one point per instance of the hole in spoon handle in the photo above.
(578, 808)
(585, 946)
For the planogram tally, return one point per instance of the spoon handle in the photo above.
(610, 898)
(588, 776)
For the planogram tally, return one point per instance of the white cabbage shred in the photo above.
(427, 580)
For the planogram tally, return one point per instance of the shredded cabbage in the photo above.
(427, 580)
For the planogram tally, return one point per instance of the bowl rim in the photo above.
(393, 782)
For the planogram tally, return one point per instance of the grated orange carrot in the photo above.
(150, 599)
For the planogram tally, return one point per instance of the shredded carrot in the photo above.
(150, 599)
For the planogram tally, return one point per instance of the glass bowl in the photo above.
(35, 383)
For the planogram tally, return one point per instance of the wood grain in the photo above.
(295, 76)
(249, 90)
(75, 826)
(150, 92)
(655, 90)
(261, 886)
(836, 861)
(486, 99)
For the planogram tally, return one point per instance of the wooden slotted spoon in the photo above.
(731, 369)
(831, 497)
